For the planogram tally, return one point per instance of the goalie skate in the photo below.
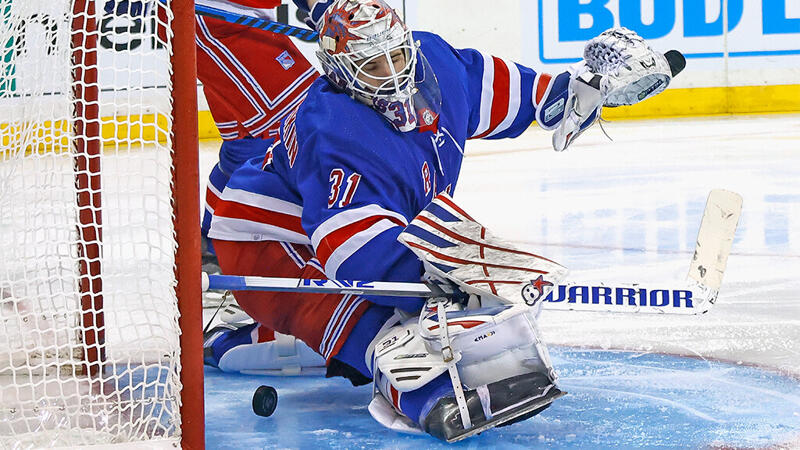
(538, 392)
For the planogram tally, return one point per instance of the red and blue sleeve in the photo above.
(506, 97)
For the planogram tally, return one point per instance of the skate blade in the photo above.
(503, 418)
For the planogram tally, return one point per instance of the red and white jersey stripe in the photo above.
(212, 197)
(345, 233)
(505, 97)
(250, 216)
(501, 96)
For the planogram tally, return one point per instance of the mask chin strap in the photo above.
(451, 357)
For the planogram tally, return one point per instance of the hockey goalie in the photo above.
(357, 189)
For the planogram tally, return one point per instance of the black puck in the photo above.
(676, 61)
(265, 399)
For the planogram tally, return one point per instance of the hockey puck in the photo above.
(265, 399)
(676, 61)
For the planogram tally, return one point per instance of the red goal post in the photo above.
(100, 311)
(187, 218)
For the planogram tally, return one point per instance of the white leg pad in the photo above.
(494, 343)
(286, 355)
(487, 345)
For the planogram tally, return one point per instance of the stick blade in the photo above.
(715, 237)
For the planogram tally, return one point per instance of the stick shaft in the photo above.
(573, 296)
(321, 286)
(304, 34)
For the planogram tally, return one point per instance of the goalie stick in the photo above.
(702, 284)
(628, 297)
(695, 296)
(304, 34)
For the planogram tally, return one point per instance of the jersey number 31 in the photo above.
(337, 178)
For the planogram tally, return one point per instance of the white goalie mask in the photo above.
(368, 52)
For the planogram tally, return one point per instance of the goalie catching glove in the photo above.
(632, 71)
(619, 68)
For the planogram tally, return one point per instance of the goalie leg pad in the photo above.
(499, 340)
(244, 349)
(505, 372)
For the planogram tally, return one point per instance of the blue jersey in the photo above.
(345, 181)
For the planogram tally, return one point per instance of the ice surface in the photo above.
(616, 399)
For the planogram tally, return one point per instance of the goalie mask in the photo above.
(368, 52)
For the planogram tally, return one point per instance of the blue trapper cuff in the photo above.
(301, 4)
(314, 15)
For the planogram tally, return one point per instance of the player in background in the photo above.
(251, 79)
(374, 142)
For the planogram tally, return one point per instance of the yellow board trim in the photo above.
(149, 128)
(713, 101)
(207, 129)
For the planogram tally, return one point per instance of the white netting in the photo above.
(46, 395)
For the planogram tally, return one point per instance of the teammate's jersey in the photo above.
(345, 181)
(259, 8)
(251, 78)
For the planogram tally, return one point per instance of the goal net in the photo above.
(90, 341)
